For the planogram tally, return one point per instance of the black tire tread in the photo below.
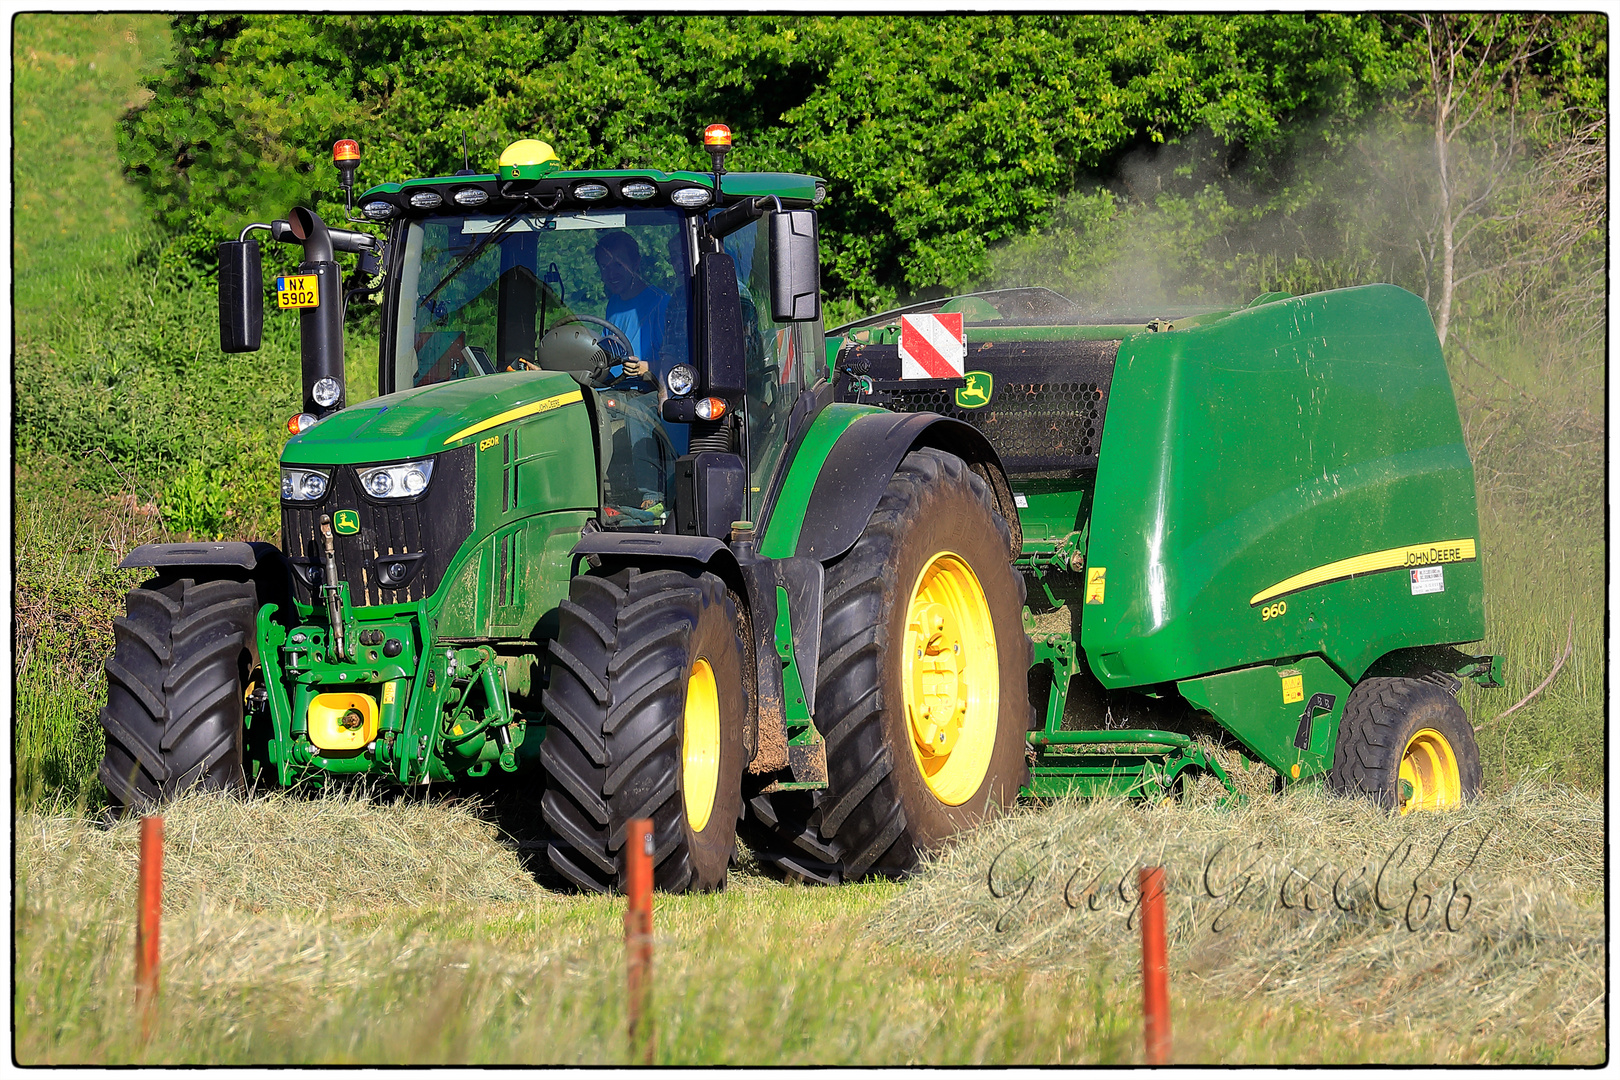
(615, 696)
(1379, 717)
(173, 718)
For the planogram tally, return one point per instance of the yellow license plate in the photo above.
(300, 290)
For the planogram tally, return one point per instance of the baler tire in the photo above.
(182, 656)
(879, 814)
(1390, 721)
(626, 676)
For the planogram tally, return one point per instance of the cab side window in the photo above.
(776, 357)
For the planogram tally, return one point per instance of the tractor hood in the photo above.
(430, 419)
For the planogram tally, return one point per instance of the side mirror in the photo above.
(241, 296)
(725, 367)
(795, 267)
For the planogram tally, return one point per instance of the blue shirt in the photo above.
(642, 321)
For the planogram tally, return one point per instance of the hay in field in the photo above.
(342, 852)
(1479, 921)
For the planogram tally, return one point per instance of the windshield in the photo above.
(563, 291)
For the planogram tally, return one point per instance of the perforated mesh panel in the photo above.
(1046, 405)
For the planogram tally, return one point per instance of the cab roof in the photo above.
(580, 189)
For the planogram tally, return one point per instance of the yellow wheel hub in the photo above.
(700, 745)
(950, 677)
(1430, 778)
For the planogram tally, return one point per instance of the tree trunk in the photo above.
(1448, 228)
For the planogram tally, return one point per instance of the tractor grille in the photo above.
(1046, 405)
(421, 535)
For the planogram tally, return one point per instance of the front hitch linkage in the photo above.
(331, 589)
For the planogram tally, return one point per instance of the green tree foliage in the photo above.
(939, 136)
(1478, 182)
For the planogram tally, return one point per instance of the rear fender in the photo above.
(848, 477)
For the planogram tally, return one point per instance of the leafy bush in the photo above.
(195, 503)
(938, 136)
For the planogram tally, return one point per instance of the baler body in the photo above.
(1236, 514)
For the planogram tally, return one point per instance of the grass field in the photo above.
(375, 941)
(347, 931)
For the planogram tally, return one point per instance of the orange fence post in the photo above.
(638, 874)
(148, 919)
(1155, 978)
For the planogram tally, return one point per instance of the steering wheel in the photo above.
(615, 335)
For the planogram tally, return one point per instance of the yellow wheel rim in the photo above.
(700, 745)
(1430, 778)
(950, 678)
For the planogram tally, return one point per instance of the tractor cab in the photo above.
(603, 295)
(654, 294)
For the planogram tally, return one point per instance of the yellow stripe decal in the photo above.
(542, 406)
(1375, 562)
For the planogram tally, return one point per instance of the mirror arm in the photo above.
(735, 217)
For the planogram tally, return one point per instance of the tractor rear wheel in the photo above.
(922, 687)
(647, 706)
(1407, 744)
(181, 660)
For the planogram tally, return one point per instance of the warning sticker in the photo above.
(1096, 580)
(388, 693)
(1293, 688)
(1428, 579)
(933, 347)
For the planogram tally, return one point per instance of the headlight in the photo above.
(591, 192)
(378, 211)
(692, 197)
(681, 379)
(302, 485)
(397, 481)
(326, 392)
(638, 189)
(425, 200)
(471, 196)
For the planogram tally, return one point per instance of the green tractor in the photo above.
(626, 522)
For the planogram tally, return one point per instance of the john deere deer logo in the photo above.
(975, 394)
(346, 522)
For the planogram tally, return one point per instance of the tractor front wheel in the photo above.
(181, 659)
(646, 707)
(1407, 744)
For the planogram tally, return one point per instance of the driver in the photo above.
(637, 309)
(634, 306)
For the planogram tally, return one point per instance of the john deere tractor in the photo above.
(626, 523)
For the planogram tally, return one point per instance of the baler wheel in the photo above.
(922, 638)
(1407, 744)
(182, 656)
(646, 707)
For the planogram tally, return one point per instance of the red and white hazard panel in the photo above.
(932, 346)
(787, 354)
